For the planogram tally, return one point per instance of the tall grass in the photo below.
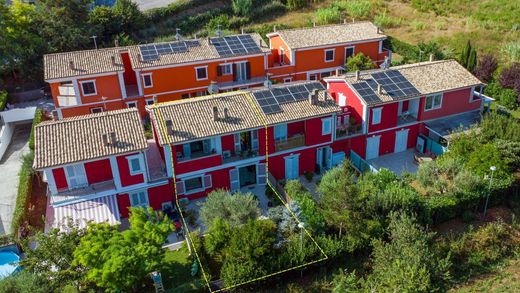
(356, 9)
(327, 15)
(512, 51)
(386, 21)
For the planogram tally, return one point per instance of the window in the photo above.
(329, 55)
(139, 199)
(349, 52)
(202, 72)
(135, 164)
(280, 132)
(433, 102)
(147, 80)
(76, 176)
(88, 88)
(193, 184)
(96, 110)
(185, 96)
(325, 74)
(149, 102)
(131, 104)
(313, 76)
(282, 56)
(287, 79)
(225, 69)
(376, 116)
(326, 126)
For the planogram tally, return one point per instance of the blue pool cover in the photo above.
(8, 263)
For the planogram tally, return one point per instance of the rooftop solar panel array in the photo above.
(235, 45)
(393, 83)
(154, 51)
(270, 100)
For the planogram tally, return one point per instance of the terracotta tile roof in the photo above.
(81, 138)
(330, 34)
(203, 51)
(427, 77)
(193, 118)
(85, 62)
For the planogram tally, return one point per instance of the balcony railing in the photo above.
(343, 131)
(406, 118)
(239, 83)
(295, 141)
(91, 189)
(246, 154)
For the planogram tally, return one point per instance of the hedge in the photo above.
(38, 117)
(24, 192)
(3, 100)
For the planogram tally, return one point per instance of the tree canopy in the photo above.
(236, 208)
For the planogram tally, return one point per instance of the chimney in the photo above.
(431, 57)
(215, 113)
(242, 30)
(379, 89)
(313, 97)
(116, 43)
(357, 75)
(353, 20)
(274, 28)
(155, 99)
(226, 113)
(169, 127)
(219, 32)
(386, 63)
(378, 30)
(177, 34)
(113, 58)
(71, 65)
(337, 71)
(106, 142)
(314, 24)
(113, 138)
(55, 116)
(344, 21)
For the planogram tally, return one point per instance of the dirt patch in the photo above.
(457, 226)
(37, 203)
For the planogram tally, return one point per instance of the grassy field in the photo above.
(505, 279)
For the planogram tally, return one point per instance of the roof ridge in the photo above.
(324, 26)
(88, 116)
(201, 99)
(89, 50)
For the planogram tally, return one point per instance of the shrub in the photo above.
(359, 62)
(272, 9)
(327, 15)
(222, 20)
(498, 126)
(504, 96)
(242, 7)
(3, 100)
(236, 208)
(510, 75)
(296, 4)
(25, 282)
(487, 65)
(417, 25)
(386, 21)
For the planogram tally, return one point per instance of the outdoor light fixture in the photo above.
(493, 169)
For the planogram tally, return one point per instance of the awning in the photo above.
(447, 126)
(98, 210)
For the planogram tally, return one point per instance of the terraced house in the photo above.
(92, 81)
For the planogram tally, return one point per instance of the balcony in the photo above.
(240, 83)
(155, 163)
(406, 118)
(295, 141)
(132, 91)
(228, 157)
(343, 131)
(104, 188)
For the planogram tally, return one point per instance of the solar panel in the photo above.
(153, 51)
(394, 83)
(267, 102)
(235, 45)
(249, 44)
(366, 91)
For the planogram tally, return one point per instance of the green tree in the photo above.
(468, 57)
(407, 263)
(359, 62)
(309, 212)
(296, 4)
(57, 268)
(236, 208)
(121, 260)
(26, 281)
(217, 238)
(249, 249)
(242, 7)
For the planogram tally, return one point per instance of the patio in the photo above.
(396, 162)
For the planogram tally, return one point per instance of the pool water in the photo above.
(8, 263)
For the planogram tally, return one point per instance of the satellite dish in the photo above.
(213, 87)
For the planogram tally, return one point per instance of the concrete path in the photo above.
(9, 168)
(149, 4)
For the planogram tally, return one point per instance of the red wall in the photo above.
(156, 196)
(123, 201)
(124, 172)
(228, 143)
(313, 129)
(453, 102)
(59, 178)
(354, 103)
(219, 180)
(98, 171)
(129, 74)
(388, 117)
(356, 143)
(197, 164)
(295, 128)
(307, 162)
(387, 140)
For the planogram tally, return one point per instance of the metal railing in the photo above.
(343, 131)
(237, 83)
(65, 195)
(292, 142)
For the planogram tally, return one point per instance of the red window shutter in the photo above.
(219, 70)
(234, 72)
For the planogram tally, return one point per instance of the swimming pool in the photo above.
(8, 263)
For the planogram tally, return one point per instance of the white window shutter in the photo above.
(236, 137)
(261, 176)
(207, 181)
(179, 185)
(234, 180)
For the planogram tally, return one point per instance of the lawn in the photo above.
(177, 274)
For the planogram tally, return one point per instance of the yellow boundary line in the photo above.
(204, 274)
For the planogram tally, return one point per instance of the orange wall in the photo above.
(184, 77)
(106, 86)
(276, 44)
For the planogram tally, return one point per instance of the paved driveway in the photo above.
(9, 168)
(149, 4)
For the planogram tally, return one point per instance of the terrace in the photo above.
(297, 140)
